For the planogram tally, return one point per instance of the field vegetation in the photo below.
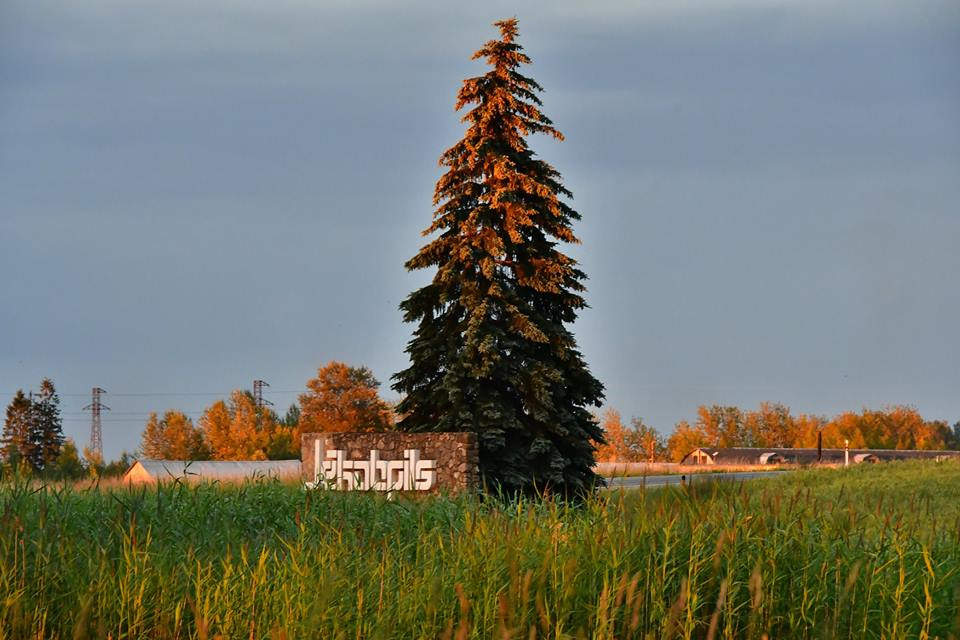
(870, 551)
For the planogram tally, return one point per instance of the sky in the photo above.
(196, 195)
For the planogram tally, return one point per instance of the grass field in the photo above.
(871, 551)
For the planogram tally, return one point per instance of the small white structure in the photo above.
(771, 457)
(153, 471)
(700, 456)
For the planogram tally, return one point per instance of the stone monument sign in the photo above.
(392, 461)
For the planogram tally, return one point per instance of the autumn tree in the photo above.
(236, 430)
(772, 425)
(492, 351)
(614, 447)
(769, 426)
(894, 427)
(343, 398)
(805, 430)
(685, 439)
(645, 443)
(173, 437)
(636, 442)
(722, 426)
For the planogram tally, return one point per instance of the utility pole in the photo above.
(96, 430)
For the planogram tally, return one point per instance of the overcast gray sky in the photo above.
(194, 195)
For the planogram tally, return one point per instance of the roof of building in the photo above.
(216, 469)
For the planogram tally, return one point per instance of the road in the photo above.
(635, 482)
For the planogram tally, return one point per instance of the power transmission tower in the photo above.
(258, 386)
(96, 430)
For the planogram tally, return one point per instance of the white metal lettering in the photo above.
(334, 471)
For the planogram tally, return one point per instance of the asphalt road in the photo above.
(635, 482)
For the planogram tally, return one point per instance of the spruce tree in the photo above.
(47, 438)
(492, 352)
(16, 440)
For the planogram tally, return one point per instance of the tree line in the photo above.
(32, 440)
(773, 425)
(339, 398)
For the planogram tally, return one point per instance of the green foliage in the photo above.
(68, 465)
(866, 552)
(48, 426)
(18, 439)
(283, 445)
(116, 468)
(952, 436)
(291, 418)
(492, 352)
(33, 429)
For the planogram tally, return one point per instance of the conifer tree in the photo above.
(492, 352)
(16, 441)
(47, 426)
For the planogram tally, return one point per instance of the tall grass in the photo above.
(871, 551)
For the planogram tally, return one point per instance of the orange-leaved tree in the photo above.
(173, 437)
(685, 439)
(894, 427)
(343, 398)
(237, 430)
(614, 449)
(770, 426)
(645, 443)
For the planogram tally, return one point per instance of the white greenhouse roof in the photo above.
(217, 469)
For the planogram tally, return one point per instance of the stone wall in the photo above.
(428, 462)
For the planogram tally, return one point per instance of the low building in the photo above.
(153, 471)
(781, 455)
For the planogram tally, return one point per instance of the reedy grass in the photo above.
(871, 551)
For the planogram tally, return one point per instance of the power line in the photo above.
(148, 394)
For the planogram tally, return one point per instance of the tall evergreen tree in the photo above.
(16, 441)
(47, 426)
(492, 352)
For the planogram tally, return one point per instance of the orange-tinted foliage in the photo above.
(343, 398)
(772, 425)
(172, 437)
(237, 431)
